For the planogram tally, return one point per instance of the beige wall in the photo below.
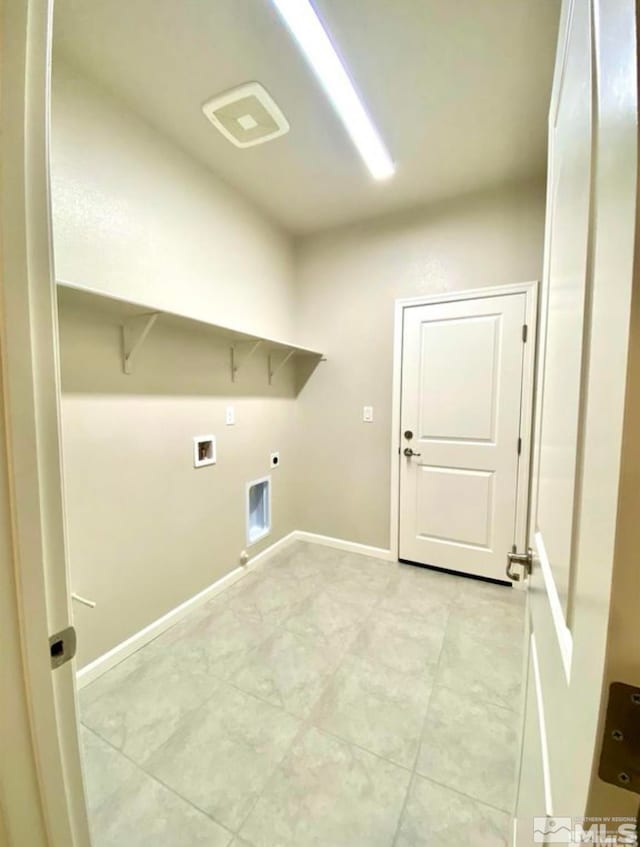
(347, 283)
(146, 530)
(136, 218)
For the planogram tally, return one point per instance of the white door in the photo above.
(584, 334)
(462, 375)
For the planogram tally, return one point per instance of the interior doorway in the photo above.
(463, 428)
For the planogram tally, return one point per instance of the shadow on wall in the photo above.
(187, 360)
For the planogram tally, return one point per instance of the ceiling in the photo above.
(458, 90)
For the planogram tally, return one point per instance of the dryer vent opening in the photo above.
(258, 509)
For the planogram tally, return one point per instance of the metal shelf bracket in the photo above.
(238, 360)
(134, 334)
(276, 363)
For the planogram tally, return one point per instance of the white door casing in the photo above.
(585, 308)
(30, 395)
(462, 379)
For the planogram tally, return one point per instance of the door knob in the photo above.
(408, 452)
(524, 560)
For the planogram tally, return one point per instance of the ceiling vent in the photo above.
(246, 115)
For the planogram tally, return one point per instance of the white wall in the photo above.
(135, 217)
(347, 283)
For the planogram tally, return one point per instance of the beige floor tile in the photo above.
(222, 755)
(438, 817)
(328, 792)
(376, 707)
(471, 747)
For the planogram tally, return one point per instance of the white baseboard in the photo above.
(103, 663)
(349, 546)
(114, 656)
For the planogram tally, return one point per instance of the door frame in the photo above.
(530, 290)
(42, 777)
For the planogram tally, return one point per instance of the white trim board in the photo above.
(530, 289)
(126, 648)
(348, 546)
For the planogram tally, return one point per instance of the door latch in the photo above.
(62, 647)
(523, 560)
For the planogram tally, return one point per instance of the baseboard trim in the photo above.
(349, 546)
(121, 651)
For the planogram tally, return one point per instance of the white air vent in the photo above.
(246, 115)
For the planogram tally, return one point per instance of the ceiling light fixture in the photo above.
(307, 29)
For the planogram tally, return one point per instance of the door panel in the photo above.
(567, 267)
(459, 361)
(586, 299)
(553, 507)
(534, 758)
(461, 398)
(438, 488)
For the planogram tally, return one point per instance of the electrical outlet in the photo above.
(367, 414)
(229, 416)
(275, 460)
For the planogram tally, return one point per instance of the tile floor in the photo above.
(327, 699)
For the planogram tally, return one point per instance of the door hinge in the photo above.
(519, 446)
(62, 647)
(620, 754)
(525, 333)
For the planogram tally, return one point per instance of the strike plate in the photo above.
(62, 647)
(620, 755)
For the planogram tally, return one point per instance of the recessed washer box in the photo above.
(258, 509)
(204, 450)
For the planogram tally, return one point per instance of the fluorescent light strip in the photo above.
(302, 20)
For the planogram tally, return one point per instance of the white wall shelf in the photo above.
(138, 319)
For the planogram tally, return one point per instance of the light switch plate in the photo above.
(229, 416)
(367, 414)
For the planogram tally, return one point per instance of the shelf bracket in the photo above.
(134, 333)
(237, 359)
(275, 365)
